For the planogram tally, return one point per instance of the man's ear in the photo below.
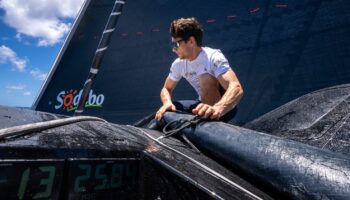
(192, 41)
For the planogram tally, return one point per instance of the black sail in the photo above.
(280, 50)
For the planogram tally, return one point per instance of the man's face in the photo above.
(180, 47)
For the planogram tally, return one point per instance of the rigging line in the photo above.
(213, 172)
(185, 176)
(178, 127)
(39, 126)
(99, 54)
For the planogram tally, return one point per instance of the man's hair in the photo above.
(185, 28)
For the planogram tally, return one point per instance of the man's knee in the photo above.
(208, 81)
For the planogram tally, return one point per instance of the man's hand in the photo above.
(163, 109)
(205, 111)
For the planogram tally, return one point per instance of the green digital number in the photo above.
(100, 176)
(84, 177)
(117, 173)
(48, 182)
(23, 184)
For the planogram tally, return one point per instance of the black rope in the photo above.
(144, 121)
(190, 143)
(179, 126)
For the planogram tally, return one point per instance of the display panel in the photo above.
(103, 178)
(30, 179)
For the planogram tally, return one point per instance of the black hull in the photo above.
(279, 51)
(99, 160)
(296, 170)
(293, 159)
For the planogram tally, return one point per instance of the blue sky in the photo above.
(31, 34)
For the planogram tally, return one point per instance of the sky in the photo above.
(31, 34)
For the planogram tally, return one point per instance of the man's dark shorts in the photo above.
(188, 105)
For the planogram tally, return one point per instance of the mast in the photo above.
(100, 52)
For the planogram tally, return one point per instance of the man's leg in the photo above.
(211, 94)
(210, 89)
(182, 105)
(186, 105)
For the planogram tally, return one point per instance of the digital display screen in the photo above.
(30, 179)
(69, 179)
(103, 178)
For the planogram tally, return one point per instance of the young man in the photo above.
(206, 69)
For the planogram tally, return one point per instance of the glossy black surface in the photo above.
(320, 118)
(291, 169)
(88, 150)
(279, 50)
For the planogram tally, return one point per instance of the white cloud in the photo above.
(16, 87)
(36, 73)
(18, 37)
(8, 55)
(27, 94)
(41, 19)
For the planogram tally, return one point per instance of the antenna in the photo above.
(99, 54)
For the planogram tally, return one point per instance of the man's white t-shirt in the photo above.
(209, 61)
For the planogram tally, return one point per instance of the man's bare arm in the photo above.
(165, 96)
(231, 97)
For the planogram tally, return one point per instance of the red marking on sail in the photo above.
(254, 10)
(281, 5)
(211, 20)
(125, 34)
(156, 30)
(139, 33)
(231, 17)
